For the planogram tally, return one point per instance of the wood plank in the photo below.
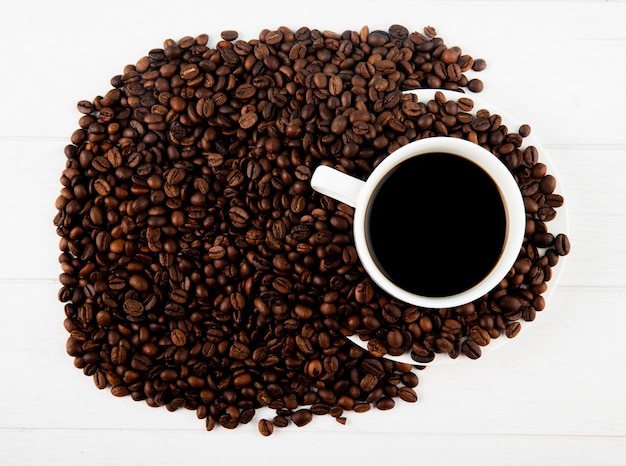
(558, 377)
(104, 447)
(552, 396)
(592, 181)
(558, 72)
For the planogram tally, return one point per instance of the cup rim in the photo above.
(511, 198)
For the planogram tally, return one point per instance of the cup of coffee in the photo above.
(438, 223)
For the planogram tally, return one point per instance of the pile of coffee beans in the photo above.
(201, 271)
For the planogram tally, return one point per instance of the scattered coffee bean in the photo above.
(561, 244)
(301, 417)
(281, 421)
(265, 427)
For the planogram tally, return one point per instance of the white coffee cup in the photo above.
(358, 194)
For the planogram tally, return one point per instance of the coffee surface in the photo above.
(436, 224)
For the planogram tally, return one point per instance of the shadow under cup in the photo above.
(436, 225)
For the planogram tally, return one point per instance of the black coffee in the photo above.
(436, 225)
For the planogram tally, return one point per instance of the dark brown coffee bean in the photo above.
(246, 416)
(120, 391)
(531, 155)
(513, 329)
(548, 184)
(471, 349)
(481, 124)
(554, 200)
(509, 303)
(280, 421)
(407, 394)
(178, 337)
(376, 347)
(475, 85)
(301, 417)
(239, 351)
(479, 64)
(454, 74)
(141, 363)
(368, 382)
(444, 345)
(100, 380)
(546, 213)
(361, 407)
(561, 244)
(85, 107)
(398, 31)
(349, 255)
(422, 357)
(133, 307)
(410, 379)
(465, 104)
(543, 239)
(265, 427)
(395, 339)
(238, 216)
(364, 292)
(385, 403)
(282, 285)
(229, 35)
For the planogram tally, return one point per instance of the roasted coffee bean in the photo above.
(120, 391)
(376, 347)
(543, 239)
(475, 85)
(392, 313)
(422, 357)
(409, 379)
(301, 417)
(133, 307)
(200, 270)
(554, 200)
(239, 351)
(513, 329)
(548, 184)
(479, 64)
(281, 421)
(349, 255)
(398, 31)
(100, 380)
(546, 213)
(266, 428)
(561, 244)
(385, 403)
(407, 394)
(364, 291)
(480, 335)
(368, 383)
(471, 349)
(229, 35)
(85, 107)
(178, 337)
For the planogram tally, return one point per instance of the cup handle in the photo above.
(333, 183)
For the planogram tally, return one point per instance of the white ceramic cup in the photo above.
(357, 193)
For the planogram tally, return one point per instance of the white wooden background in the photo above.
(553, 395)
